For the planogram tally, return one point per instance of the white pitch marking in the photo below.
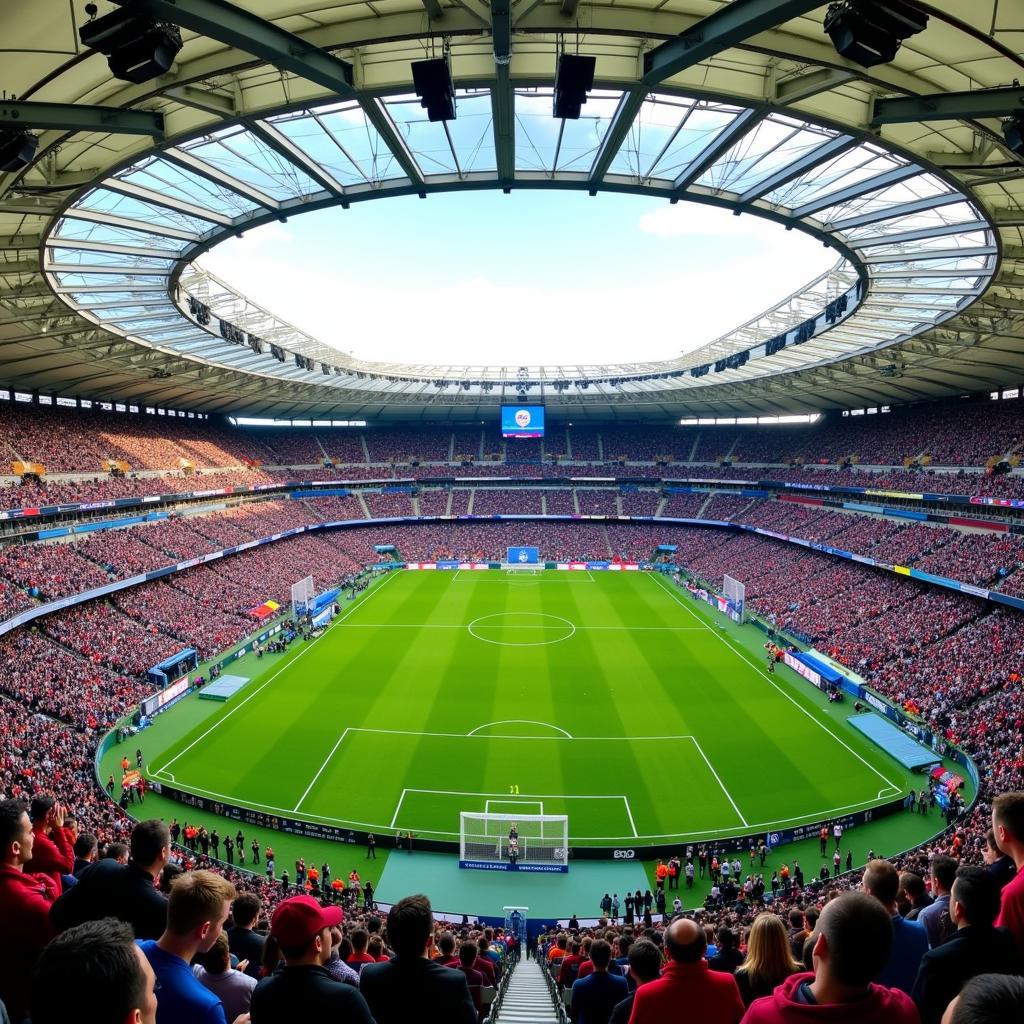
(629, 812)
(772, 682)
(288, 664)
(522, 721)
(320, 771)
(711, 768)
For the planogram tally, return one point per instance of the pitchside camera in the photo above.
(138, 47)
(432, 80)
(870, 32)
(573, 80)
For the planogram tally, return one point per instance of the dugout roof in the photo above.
(99, 236)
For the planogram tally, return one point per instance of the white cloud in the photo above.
(688, 219)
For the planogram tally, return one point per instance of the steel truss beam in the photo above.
(130, 224)
(861, 188)
(219, 177)
(217, 19)
(623, 119)
(949, 106)
(899, 210)
(744, 122)
(81, 118)
(730, 25)
(807, 162)
(285, 148)
(503, 121)
(377, 114)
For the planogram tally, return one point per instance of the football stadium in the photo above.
(587, 586)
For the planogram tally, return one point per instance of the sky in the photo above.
(523, 279)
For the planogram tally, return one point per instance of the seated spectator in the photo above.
(125, 891)
(728, 957)
(53, 851)
(198, 906)
(1008, 826)
(96, 973)
(243, 941)
(644, 966)
(770, 959)
(232, 987)
(398, 991)
(987, 999)
(474, 979)
(595, 996)
(303, 990)
(688, 990)
(25, 901)
(854, 936)
(936, 919)
(976, 947)
(909, 941)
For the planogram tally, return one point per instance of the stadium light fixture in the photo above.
(17, 149)
(1013, 132)
(870, 32)
(138, 47)
(432, 80)
(574, 78)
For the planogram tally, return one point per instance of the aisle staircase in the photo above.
(527, 997)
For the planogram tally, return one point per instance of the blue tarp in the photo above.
(894, 741)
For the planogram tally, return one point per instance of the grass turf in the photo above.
(609, 697)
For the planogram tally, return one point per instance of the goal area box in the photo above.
(514, 842)
(522, 559)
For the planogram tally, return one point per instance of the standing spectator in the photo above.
(304, 990)
(644, 966)
(25, 901)
(233, 988)
(914, 894)
(199, 905)
(852, 946)
(1008, 826)
(124, 891)
(728, 957)
(53, 852)
(86, 849)
(770, 959)
(595, 996)
(371, 846)
(909, 940)
(976, 948)
(936, 918)
(687, 987)
(987, 999)
(474, 979)
(398, 991)
(93, 972)
(243, 941)
(997, 863)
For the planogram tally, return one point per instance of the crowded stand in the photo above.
(490, 501)
(384, 504)
(597, 501)
(424, 444)
(433, 501)
(560, 501)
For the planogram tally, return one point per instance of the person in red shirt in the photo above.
(53, 851)
(1008, 826)
(360, 938)
(570, 965)
(25, 901)
(445, 947)
(854, 936)
(687, 989)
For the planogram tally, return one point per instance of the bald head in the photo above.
(685, 941)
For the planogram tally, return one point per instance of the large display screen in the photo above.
(522, 421)
(171, 692)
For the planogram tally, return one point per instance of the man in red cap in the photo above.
(303, 990)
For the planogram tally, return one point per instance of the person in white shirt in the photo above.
(232, 987)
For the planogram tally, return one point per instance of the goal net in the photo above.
(735, 593)
(524, 842)
(303, 593)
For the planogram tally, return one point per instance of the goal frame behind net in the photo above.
(736, 593)
(302, 595)
(542, 843)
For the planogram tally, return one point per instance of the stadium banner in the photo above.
(803, 669)
(336, 833)
(488, 865)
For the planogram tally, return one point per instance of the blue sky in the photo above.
(531, 277)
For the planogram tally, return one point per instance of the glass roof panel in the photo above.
(89, 257)
(678, 134)
(544, 143)
(248, 158)
(955, 213)
(773, 143)
(175, 182)
(341, 139)
(961, 240)
(921, 186)
(102, 200)
(447, 147)
(862, 163)
(71, 229)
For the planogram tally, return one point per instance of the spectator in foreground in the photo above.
(243, 941)
(25, 901)
(53, 852)
(728, 957)
(199, 905)
(644, 966)
(1008, 826)
(399, 990)
(854, 936)
(976, 948)
(770, 959)
(688, 989)
(909, 939)
(303, 990)
(987, 999)
(125, 891)
(937, 920)
(233, 988)
(595, 996)
(96, 973)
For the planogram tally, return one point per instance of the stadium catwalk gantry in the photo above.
(101, 294)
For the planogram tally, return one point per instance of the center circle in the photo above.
(521, 629)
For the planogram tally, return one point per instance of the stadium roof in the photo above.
(753, 111)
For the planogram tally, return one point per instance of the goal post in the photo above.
(303, 593)
(513, 842)
(735, 593)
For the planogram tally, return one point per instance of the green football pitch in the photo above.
(609, 697)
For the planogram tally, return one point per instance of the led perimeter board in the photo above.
(522, 421)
